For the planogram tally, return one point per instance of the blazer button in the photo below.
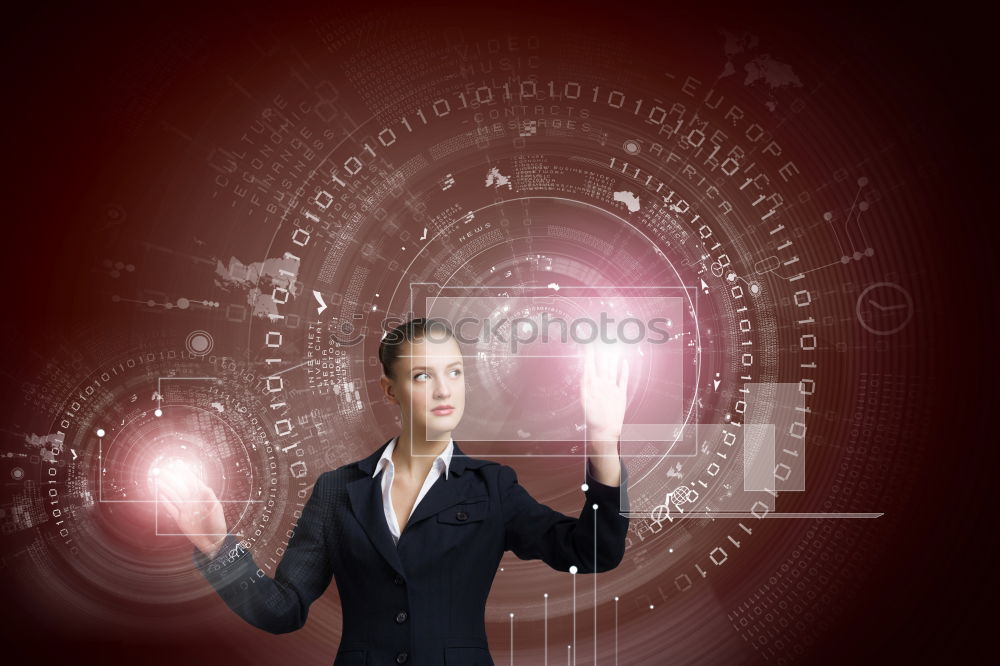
(401, 617)
(402, 657)
(461, 515)
(398, 580)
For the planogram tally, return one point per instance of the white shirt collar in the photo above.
(443, 459)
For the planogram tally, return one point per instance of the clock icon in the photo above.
(884, 308)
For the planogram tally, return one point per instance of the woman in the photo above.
(414, 533)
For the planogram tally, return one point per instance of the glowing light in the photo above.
(178, 472)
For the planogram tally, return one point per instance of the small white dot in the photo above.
(100, 432)
(651, 606)
(158, 412)
(546, 595)
(595, 507)
(616, 598)
(584, 487)
(573, 569)
(512, 615)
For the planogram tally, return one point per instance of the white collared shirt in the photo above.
(440, 466)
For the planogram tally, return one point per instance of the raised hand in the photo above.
(604, 394)
(194, 507)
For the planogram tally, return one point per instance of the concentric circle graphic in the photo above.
(198, 343)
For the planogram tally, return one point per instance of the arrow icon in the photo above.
(322, 305)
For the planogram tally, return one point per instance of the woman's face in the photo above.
(429, 375)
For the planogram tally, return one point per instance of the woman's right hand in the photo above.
(194, 507)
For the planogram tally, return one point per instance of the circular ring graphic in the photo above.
(199, 343)
(886, 311)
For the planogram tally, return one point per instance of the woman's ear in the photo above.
(388, 389)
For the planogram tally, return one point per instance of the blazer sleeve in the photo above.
(279, 604)
(534, 531)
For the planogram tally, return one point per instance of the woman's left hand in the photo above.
(604, 394)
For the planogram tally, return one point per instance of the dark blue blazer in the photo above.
(421, 602)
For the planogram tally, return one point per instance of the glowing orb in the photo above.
(181, 471)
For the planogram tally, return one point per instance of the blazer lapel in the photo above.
(366, 502)
(444, 492)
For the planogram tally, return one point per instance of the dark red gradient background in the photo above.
(83, 85)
